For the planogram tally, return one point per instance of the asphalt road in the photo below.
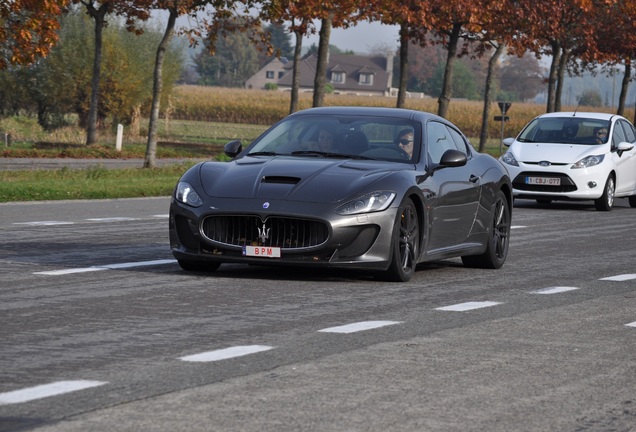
(100, 330)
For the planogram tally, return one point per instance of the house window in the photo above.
(269, 74)
(280, 74)
(366, 79)
(337, 77)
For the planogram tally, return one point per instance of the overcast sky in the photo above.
(365, 38)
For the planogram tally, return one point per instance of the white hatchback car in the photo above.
(575, 156)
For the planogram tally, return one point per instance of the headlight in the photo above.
(589, 161)
(187, 195)
(373, 202)
(509, 159)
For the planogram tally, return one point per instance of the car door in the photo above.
(456, 189)
(624, 162)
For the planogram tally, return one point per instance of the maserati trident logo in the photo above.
(544, 163)
(263, 233)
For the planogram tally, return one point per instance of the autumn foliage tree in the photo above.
(132, 11)
(28, 29)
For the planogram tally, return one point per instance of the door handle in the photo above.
(473, 178)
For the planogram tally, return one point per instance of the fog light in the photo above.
(591, 184)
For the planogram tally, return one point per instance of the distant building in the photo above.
(348, 74)
(270, 73)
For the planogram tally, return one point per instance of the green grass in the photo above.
(91, 183)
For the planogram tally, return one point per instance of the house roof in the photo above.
(351, 65)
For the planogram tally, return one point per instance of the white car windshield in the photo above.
(566, 130)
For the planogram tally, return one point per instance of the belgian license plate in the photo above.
(549, 181)
(261, 251)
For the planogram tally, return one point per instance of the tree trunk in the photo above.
(624, 86)
(99, 15)
(563, 65)
(404, 65)
(483, 137)
(321, 63)
(556, 55)
(151, 149)
(293, 104)
(447, 86)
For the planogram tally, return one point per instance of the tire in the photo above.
(606, 201)
(632, 201)
(498, 240)
(405, 244)
(199, 266)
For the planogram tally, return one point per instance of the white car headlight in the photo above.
(187, 195)
(373, 202)
(509, 159)
(589, 161)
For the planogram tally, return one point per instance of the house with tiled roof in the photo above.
(348, 74)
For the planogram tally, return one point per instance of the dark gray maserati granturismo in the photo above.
(379, 189)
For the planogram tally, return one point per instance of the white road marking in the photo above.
(554, 290)
(632, 324)
(161, 216)
(620, 278)
(44, 223)
(226, 353)
(359, 326)
(112, 219)
(517, 226)
(46, 390)
(106, 267)
(461, 307)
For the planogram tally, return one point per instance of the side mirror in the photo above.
(233, 148)
(453, 158)
(625, 146)
(508, 141)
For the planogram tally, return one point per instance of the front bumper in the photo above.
(576, 184)
(361, 241)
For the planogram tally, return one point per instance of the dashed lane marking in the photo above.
(44, 223)
(106, 267)
(226, 353)
(112, 219)
(554, 290)
(461, 307)
(359, 326)
(620, 278)
(46, 390)
(632, 324)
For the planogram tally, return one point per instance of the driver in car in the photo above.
(404, 140)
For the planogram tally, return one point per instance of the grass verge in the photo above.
(91, 183)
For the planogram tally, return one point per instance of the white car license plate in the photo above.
(549, 181)
(261, 251)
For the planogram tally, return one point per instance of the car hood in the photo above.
(555, 153)
(291, 178)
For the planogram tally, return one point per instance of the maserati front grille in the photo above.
(275, 231)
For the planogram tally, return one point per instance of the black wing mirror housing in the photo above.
(233, 148)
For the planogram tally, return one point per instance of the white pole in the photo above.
(120, 136)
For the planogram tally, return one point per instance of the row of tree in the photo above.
(236, 59)
(576, 34)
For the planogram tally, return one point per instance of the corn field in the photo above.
(262, 107)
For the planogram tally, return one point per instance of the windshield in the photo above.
(357, 137)
(566, 130)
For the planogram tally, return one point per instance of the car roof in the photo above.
(582, 115)
(374, 111)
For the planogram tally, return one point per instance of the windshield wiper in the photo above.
(327, 154)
